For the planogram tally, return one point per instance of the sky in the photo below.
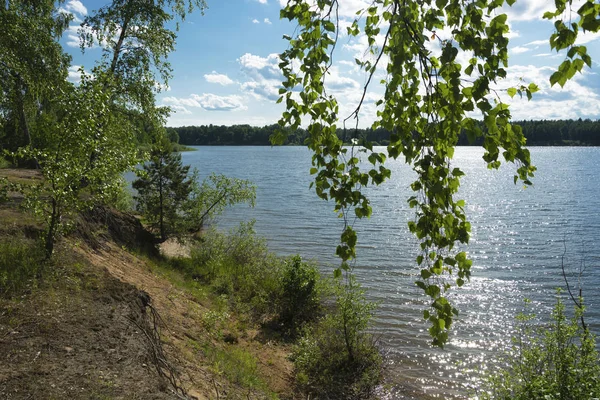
(225, 64)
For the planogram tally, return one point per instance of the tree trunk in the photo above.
(117, 49)
(51, 234)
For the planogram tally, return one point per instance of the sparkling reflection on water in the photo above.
(518, 238)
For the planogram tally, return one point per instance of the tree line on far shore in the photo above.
(578, 132)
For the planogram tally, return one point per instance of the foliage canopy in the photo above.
(429, 99)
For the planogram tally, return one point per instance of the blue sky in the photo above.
(225, 66)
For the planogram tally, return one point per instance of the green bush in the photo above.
(4, 163)
(239, 264)
(336, 358)
(300, 298)
(20, 263)
(557, 362)
(123, 199)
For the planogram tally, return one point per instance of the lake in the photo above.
(517, 243)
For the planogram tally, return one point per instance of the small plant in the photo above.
(20, 263)
(337, 358)
(4, 163)
(300, 299)
(557, 362)
(238, 365)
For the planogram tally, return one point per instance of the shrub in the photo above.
(122, 199)
(240, 265)
(4, 163)
(559, 362)
(336, 358)
(300, 298)
(20, 263)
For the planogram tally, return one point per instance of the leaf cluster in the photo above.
(429, 100)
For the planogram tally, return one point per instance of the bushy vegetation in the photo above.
(301, 295)
(175, 202)
(20, 263)
(334, 356)
(238, 264)
(4, 163)
(555, 362)
(337, 358)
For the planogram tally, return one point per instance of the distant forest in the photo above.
(538, 133)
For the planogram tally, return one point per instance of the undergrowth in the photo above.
(21, 262)
(334, 357)
(558, 361)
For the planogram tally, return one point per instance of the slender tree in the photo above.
(33, 66)
(163, 188)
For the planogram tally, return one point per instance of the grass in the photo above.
(237, 365)
(20, 265)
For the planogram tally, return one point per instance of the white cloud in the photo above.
(180, 109)
(347, 8)
(261, 90)
(519, 50)
(255, 21)
(336, 82)
(76, 8)
(587, 37)
(538, 42)
(72, 36)
(529, 10)
(221, 79)
(264, 74)
(213, 102)
(262, 1)
(576, 99)
(206, 101)
(267, 21)
(174, 101)
(74, 73)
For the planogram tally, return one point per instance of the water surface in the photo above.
(517, 244)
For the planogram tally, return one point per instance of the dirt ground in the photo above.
(85, 330)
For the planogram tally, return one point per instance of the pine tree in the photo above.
(162, 189)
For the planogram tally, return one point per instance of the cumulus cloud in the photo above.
(206, 101)
(213, 102)
(262, 1)
(529, 10)
(267, 21)
(264, 76)
(576, 99)
(74, 74)
(336, 82)
(519, 50)
(347, 8)
(255, 21)
(76, 8)
(72, 36)
(180, 109)
(261, 90)
(221, 79)
(181, 102)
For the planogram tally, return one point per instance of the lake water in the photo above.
(518, 239)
